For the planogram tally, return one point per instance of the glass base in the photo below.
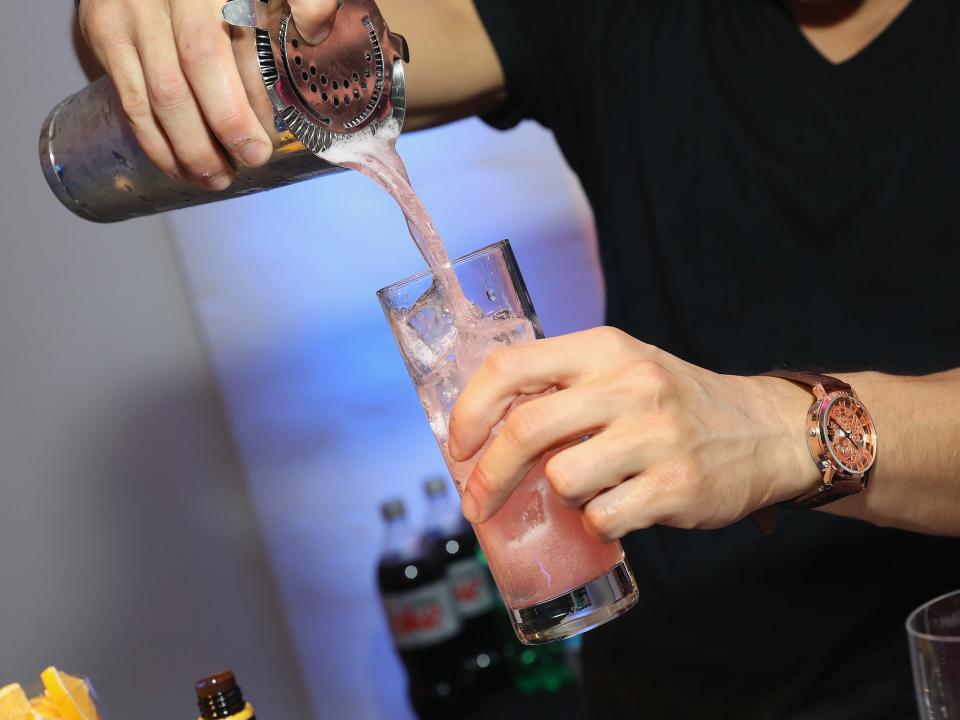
(588, 606)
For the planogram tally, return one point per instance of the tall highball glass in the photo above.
(556, 580)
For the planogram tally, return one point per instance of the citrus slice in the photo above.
(14, 704)
(69, 695)
(43, 709)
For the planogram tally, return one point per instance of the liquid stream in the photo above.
(374, 154)
(536, 545)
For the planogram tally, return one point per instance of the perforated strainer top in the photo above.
(350, 81)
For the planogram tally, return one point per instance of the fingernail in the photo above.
(219, 182)
(469, 507)
(320, 35)
(255, 153)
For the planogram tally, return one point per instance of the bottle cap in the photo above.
(393, 509)
(435, 487)
(219, 696)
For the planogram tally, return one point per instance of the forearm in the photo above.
(453, 71)
(915, 484)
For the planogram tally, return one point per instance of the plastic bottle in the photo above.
(449, 535)
(424, 623)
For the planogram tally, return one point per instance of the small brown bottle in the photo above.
(219, 696)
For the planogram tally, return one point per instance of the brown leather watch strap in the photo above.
(810, 379)
(823, 495)
(839, 486)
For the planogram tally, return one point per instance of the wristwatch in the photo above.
(841, 437)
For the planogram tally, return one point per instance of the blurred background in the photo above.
(200, 413)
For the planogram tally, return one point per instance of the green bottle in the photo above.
(533, 669)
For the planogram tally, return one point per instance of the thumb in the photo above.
(314, 18)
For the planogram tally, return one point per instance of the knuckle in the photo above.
(135, 106)
(199, 48)
(652, 372)
(602, 521)
(482, 481)
(609, 334)
(168, 90)
(650, 380)
(523, 425)
(501, 360)
(609, 337)
(100, 25)
(230, 125)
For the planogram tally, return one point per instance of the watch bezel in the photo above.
(820, 449)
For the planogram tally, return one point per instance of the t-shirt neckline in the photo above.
(792, 40)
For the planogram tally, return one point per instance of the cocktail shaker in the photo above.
(321, 95)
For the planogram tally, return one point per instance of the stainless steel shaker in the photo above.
(321, 95)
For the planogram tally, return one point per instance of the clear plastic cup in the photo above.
(934, 633)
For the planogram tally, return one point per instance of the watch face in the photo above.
(849, 434)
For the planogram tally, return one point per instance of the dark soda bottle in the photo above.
(424, 623)
(471, 585)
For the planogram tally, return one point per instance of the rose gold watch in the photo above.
(841, 437)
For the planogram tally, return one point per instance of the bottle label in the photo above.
(422, 617)
(470, 587)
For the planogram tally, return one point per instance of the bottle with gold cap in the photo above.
(219, 696)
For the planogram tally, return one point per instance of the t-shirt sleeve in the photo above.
(547, 50)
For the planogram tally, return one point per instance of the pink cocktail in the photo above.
(556, 579)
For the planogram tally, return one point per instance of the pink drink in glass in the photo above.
(556, 579)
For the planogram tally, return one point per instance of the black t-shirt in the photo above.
(759, 207)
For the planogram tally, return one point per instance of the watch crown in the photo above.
(814, 432)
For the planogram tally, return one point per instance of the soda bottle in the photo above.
(448, 534)
(424, 623)
(219, 696)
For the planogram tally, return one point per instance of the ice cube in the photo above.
(439, 391)
(428, 331)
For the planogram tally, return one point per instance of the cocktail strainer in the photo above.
(324, 93)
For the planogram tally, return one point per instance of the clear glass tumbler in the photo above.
(934, 633)
(556, 580)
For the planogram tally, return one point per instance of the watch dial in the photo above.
(849, 434)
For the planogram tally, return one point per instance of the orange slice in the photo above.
(43, 709)
(69, 695)
(14, 704)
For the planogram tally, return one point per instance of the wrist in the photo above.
(794, 472)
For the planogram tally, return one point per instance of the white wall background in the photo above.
(127, 547)
(322, 411)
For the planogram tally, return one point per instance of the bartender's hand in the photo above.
(669, 443)
(175, 70)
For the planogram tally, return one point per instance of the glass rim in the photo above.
(432, 270)
(911, 618)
